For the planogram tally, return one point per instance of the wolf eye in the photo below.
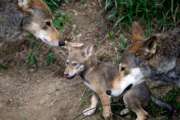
(67, 62)
(48, 23)
(74, 64)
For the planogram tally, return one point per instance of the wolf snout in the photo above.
(108, 92)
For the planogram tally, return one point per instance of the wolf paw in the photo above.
(89, 111)
(124, 111)
(107, 115)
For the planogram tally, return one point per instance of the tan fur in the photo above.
(26, 5)
(100, 76)
(137, 37)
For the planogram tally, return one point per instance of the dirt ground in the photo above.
(41, 94)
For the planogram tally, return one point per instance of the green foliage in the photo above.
(3, 67)
(60, 20)
(50, 58)
(122, 42)
(32, 58)
(54, 4)
(163, 13)
(36, 55)
(122, 45)
(171, 98)
(111, 36)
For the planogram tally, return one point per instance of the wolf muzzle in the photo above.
(110, 92)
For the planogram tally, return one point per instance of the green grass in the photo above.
(170, 98)
(61, 19)
(54, 4)
(32, 56)
(160, 13)
(37, 53)
(120, 43)
(50, 58)
(3, 67)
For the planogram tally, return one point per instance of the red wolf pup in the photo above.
(102, 76)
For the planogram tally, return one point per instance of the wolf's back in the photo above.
(10, 21)
(169, 43)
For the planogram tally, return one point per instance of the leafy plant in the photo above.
(3, 67)
(32, 59)
(171, 97)
(160, 13)
(122, 42)
(60, 20)
(54, 4)
(50, 58)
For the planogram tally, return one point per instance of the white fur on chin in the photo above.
(134, 77)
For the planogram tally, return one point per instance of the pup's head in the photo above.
(78, 56)
(141, 47)
(38, 21)
(115, 88)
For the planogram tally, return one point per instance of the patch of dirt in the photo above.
(38, 96)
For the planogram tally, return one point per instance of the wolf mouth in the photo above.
(70, 77)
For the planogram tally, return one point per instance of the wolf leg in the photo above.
(105, 99)
(125, 111)
(141, 114)
(91, 110)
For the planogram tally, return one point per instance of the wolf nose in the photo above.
(108, 92)
(61, 43)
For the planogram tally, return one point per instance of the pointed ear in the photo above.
(23, 4)
(151, 44)
(75, 45)
(137, 32)
(70, 45)
(88, 51)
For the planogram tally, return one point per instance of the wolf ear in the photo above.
(137, 32)
(23, 4)
(151, 44)
(75, 45)
(27, 5)
(70, 45)
(88, 51)
(137, 38)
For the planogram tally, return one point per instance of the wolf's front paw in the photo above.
(107, 115)
(124, 111)
(89, 111)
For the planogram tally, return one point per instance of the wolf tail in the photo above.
(171, 78)
(162, 104)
